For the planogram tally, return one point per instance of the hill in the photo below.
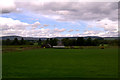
(37, 38)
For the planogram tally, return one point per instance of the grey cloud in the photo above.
(76, 10)
(7, 6)
(7, 10)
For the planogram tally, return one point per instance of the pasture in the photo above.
(61, 63)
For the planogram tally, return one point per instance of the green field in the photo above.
(61, 63)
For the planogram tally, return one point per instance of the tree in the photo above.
(89, 42)
(51, 42)
(72, 42)
(47, 41)
(95, 42)
(119, 42)
(15, 42)
(3, 42)
(22, 42)
(39, 42)
(80, 41)
(55, 41)
(8, 42)
(65, 41)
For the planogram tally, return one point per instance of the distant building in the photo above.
(47, 46)
(60, 45)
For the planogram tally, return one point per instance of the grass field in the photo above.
(61, 63)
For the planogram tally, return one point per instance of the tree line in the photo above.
(51, 41)
(80, 41)
(16, 42)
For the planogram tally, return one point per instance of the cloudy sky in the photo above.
(58, 19)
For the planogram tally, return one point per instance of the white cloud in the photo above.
(77, 29)
(8, 24)
(15, 27)
(35, 25)
(71, 30)
(10, 21)
(110, 28)
(52, 16)
(104, 15)
(59, 30)
(45, 25)
(108, 25)
(62, 12)
(68, 35)
(100, 33)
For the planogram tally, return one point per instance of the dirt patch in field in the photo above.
(13, 49)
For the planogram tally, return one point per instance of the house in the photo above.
(47, 46)
(60, 45)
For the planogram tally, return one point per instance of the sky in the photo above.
(58, 19)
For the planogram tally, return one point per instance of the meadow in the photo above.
(61, 63)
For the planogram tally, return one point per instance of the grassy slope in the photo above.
(46, 63)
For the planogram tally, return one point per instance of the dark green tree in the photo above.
(8, 42)
(22, 41)
(51, 42)
(95, 42)
(119, 42)
(55, 41)
(89, 42)
(3, 42)
(47, 41)
(66, 41)
(72, 42)
(15, 42)
(80, 41)
(39, 42)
